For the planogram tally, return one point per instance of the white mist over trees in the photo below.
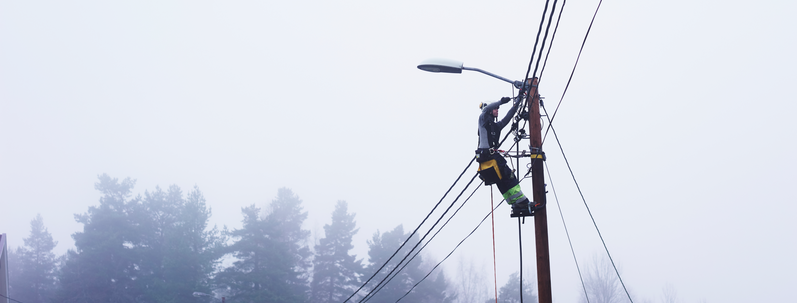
(273, 260)
(381, 247)
(336, 273)
(509, 292)
(159, 248)
(471, 286)
(32, 268)
(152, 249)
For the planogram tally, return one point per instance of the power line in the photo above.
(527, 94)
(520, 245)
(9, 298)
(553, 37)
(550, 126)
(536, 41)
(377, 288)
(562, 215)
(574, 68)
(455, 248)
(522, 104)
(414, 231)
(433, 236)
(433, 209)
(548, 27)
(526, 89)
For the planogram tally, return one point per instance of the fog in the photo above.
(676, 125)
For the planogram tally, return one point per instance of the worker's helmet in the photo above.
(482, 105)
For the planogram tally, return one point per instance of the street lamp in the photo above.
(456, 67)
(537, 179)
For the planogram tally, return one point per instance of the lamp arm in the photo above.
(517, 84)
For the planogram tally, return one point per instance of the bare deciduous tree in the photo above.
(669, 295)
(471, 286)
(602, 283)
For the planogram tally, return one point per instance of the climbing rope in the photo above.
(495, 270)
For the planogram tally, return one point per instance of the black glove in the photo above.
(505, 100)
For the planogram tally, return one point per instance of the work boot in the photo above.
(521, 209)
(537, 206)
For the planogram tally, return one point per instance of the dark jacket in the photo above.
(489, 129)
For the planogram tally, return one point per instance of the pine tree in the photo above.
(175, 253)
(381, 247)
(100, 267)
(336, 274)
(509, 292)
(273, 259)
(155, 249)
(34, 266)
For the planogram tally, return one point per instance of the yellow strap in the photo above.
(488, 164)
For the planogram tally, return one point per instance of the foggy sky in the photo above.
(677, 124)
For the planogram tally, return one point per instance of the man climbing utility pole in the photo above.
(538, 194)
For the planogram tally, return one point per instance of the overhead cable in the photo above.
(520, 254)
(523, 104)
(377, 288)
(553, 37)
(547, 28)
(536, 41)
(1, 295)
(561, 214)
(455, 249)
(413, 232)
(550, 126)
(574, 67)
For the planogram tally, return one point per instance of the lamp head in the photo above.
(441, 66)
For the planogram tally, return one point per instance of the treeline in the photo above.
(159, 248)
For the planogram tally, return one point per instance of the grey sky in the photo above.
(677, 123)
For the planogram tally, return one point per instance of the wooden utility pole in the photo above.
(538, 189)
